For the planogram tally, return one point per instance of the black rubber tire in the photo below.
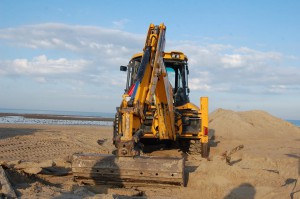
(205, 150)
(184, 145)
(115, 126)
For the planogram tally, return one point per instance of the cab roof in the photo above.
(167, 55)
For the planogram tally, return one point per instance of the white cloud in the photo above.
(120, 24)
(283, 89)
(78, 39)
(232, 61)
(99, 52)
(41, 65)
(197, 84)
(237, 69)
(41, 79)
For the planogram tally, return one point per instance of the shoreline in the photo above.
(57, 117)
(49, 119)
(65, 119)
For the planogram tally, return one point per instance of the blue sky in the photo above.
(65, 55)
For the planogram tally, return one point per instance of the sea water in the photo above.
(295, 122)
(24, 120)
(20, 119)
(53, 112)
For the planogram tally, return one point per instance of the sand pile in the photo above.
(249, 125)
(267, 167)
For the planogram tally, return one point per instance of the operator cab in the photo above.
(177, 70)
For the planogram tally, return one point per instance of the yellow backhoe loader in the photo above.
(155, 109)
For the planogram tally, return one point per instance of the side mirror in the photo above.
(188, 90)
(123, 68)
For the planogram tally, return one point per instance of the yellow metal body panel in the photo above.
(167, 55)
(204, 117)
(175, 55)
(189, 106)
(127, 126)
(166, 123)
(149, 109)
(155, 93)
(154, 88)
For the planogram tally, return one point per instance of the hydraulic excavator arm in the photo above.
(151, 88)
(150, 91)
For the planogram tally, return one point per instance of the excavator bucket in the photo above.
(132, 171)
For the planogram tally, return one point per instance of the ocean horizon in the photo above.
(83, 113)
(295, 122)
(54, 112)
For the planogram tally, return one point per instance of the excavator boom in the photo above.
(155, 109)
(151, 91)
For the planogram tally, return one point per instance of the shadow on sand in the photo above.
(6, 132)
(104, 175)
(291, 181)
(212, 138)
(243, 191)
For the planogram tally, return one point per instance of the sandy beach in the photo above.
(268, 166)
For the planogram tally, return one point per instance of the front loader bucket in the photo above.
(135, 171)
